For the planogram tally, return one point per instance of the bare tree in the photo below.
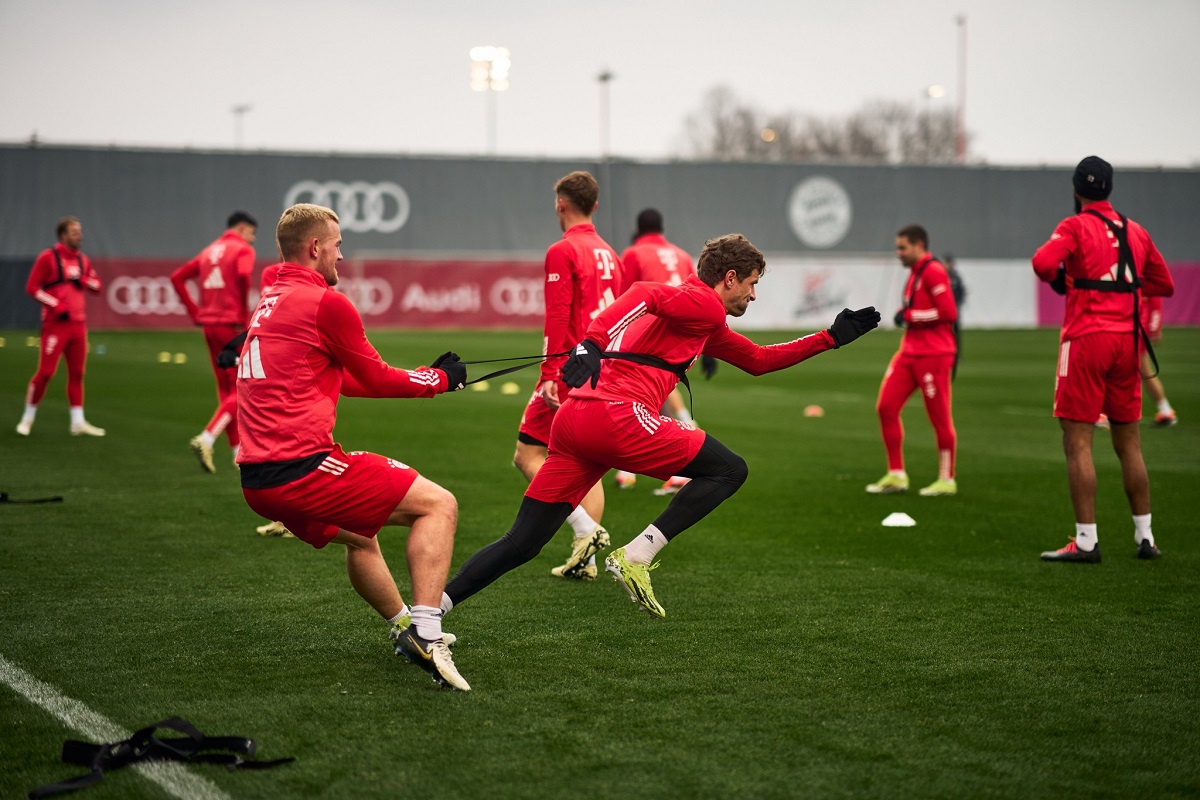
(882, 132)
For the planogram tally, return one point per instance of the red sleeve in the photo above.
(685, 310)
(91, 278)
(366, 373)
(631, 269)
(559, 290)
(1055, 251)
(179, 279)
(1156, 278)
(736, 349)
(39, 276)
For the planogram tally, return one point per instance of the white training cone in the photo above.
(898, 519)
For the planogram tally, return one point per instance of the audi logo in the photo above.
(143, 296)
(362, 207)
(517, 297)
(371, 296)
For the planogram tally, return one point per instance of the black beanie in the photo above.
(1093, 178)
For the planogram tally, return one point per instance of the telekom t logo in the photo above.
(604, 263)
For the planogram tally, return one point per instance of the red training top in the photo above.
(222, 271)
(60, 293)
(306, 345)
(653, 258)
(678, 323)
(930, 316)
(583, 275)
(1089, 250)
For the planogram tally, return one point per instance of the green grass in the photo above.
(808, 652)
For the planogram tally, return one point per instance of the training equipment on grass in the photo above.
(898, 519)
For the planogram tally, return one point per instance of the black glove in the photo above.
(708, 366)
(1059, 284)
(582, 364)
(64, 316)
(899, 318)
(228, 357)
(849, 325)
(456, 371)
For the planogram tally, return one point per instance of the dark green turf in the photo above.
(808, 651)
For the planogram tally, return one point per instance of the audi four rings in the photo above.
(361, 207)
(143, 296)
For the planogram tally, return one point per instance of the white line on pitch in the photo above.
(173, 778)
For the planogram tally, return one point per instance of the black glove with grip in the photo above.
(456, 371)
(228, 357)
(64, 316)
(708, 366)
(899, 318)
(1059, 284)
(583, 364)
(849, 325)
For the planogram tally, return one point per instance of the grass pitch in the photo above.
(808, 651)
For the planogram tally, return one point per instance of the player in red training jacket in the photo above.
(583, 276)
(304, 347)
(652, 258)
(222, 273)
(646, 341)
(925, 362)
(57, 280)
(1104, 263)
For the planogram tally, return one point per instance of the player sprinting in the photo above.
(583, 275)
(612, 419)
(222, 273)
(306, 345)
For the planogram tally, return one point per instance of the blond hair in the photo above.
(298, 225)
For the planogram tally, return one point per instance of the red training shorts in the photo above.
(538, 416)
(590, 437)
(357, 491)
(1098, 373)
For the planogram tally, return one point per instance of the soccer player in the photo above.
(645, 341)
(925, 362)
(57, 280)
(652, 258)
(1099, 258)
(1164, 416)
(583, 276)
(222, 271)
(306, 345)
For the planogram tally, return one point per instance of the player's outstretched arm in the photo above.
(849, 325)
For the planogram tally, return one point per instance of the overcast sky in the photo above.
(1047, 81)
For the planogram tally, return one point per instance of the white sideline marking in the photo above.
(174, 778)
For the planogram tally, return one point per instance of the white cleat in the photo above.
(203, 453)
(625, 480)
(85, 428)
(23, 427)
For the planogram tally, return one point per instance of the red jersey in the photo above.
(653, 258)
(930, 311)
(1089, 249)
(677, 324)
(62, 291)
(222, 271)
(305, 346)
(583, 276)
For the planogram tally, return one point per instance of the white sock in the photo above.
(30, 413)
(403, 610)
(645, 545)
(581, 523)
(77, 415)
(428, 622)
(899, 473)
(1141, 529)
(1085, 537)
(447, 603)
(207, 438)
(684, 416)
(1164, 406)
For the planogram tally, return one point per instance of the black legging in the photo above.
(716, 472)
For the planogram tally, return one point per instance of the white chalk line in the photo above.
(174, 778)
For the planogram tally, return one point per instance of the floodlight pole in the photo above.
(238, 112)
(605, 79)
(960, 110)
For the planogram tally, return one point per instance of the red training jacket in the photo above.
(929, 319)
(653, 258)
(59, 293)
(222, 271)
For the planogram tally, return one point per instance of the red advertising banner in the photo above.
(388, 294)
